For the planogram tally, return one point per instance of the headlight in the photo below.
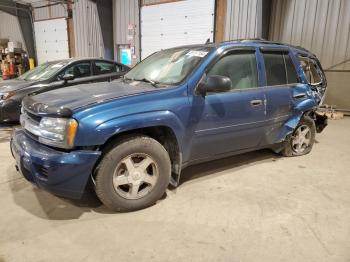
(58, 132)
(7, 95)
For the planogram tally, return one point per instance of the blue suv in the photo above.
(133, 136)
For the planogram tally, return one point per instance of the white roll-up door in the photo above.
(51, 40)
(176, 23)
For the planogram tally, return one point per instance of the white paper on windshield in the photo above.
(197, 53)
(57, 65)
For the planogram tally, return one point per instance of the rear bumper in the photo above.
(61, 173)
(9, 110)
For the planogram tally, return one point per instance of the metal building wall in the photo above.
(87, 30)
(126, 12)
(153, 2)
(241, 19)
(10, 29)
(323, 27)
(48, 12)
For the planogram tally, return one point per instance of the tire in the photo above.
(291, 147)
(133, 174)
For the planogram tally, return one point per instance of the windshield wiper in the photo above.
(125, 78)
(146, 80)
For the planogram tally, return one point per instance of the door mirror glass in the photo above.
(215, 84)
(68, 77)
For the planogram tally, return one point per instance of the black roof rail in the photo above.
(254, 40)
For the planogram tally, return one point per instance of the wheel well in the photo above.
(163, 134)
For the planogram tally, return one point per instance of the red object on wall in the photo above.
(12, 70)
(5, 74)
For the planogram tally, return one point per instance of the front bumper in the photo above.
(61, 173)
(10, 110)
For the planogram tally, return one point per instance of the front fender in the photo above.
(107, 129)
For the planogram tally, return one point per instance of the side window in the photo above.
(310, 69)
(292, 76)
(104, 68)
(119, 68)
(82, 69)
(241, 68)
(279, 69)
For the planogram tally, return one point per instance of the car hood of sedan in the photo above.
(83, 95)
(13, 85)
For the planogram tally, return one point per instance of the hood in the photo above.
(13, 85)
(66, 100)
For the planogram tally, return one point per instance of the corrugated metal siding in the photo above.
(10, 29)
(323, 27)
(87, 30)
(241, 19)
(153, 2)
(48, 12)
(126, 12)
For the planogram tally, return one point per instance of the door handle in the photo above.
(299, 96)
(256, 102)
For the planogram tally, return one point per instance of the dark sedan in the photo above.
(53, 75)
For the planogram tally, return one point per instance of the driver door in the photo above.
(234, 120)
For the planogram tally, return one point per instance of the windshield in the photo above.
(168, 66)
(43, 71)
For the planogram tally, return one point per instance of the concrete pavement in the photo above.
(253, 207)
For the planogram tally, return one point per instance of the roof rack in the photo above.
(254, 40)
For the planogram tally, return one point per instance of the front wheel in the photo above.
(302, 140)
(133, 175)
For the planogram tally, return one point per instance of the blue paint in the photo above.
(205, 127)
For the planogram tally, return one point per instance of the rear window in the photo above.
(279, 69)
(311, 71)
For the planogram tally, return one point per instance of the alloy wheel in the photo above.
(301, 139)
(135, 176)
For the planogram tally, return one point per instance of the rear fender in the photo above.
(301, 108)
(288, 128)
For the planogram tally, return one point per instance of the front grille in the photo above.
(31, 120)
(33, 117)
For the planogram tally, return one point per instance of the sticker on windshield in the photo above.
(57, 65)
(197, 53)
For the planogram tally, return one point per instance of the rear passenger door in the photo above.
(106, 71)
(281, 78)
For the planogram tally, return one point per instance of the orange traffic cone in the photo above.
(5, 74)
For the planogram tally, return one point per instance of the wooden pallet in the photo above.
(335, 115)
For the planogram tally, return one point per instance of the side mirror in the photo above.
(67, 77)
(215, 84)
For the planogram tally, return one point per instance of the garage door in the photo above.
(51, 39)
(177, 23)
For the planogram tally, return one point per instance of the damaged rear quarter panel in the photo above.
(303, 102)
